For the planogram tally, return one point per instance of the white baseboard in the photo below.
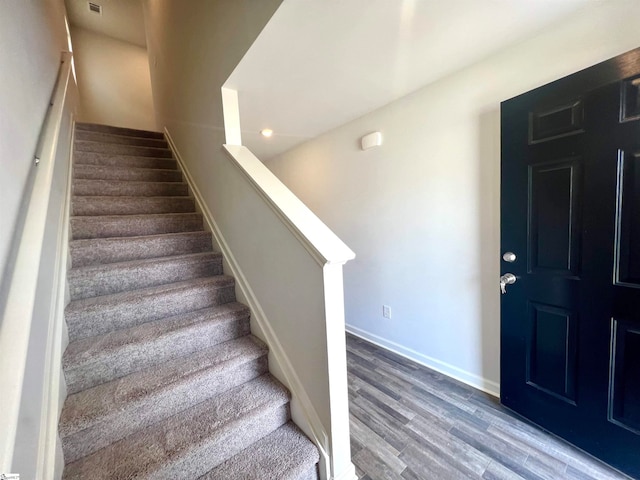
(313, 427)
(471, 379)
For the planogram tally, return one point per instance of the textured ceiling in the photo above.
(120, 19)
(320, 63)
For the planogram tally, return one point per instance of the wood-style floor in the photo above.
(409, 422)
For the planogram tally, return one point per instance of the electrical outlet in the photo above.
(386, 311)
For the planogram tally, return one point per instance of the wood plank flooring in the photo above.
(409, 422)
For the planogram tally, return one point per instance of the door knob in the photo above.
(506, 279)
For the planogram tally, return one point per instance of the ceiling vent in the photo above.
(94, 7)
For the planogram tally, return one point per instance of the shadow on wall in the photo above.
(489, 236)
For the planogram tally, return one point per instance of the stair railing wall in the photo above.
(32, 332)
(288, 270)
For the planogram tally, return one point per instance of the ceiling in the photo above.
(321, 63)
(120, 19)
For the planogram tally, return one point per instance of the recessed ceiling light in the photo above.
(266, 132)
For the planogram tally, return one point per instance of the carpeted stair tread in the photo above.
(128, 188)
(96, 280)
(105, 159)
(104, 401)
(96, 127)
(120, 139)
(101, 251)
(85, 146)
(192, 442)
(91, 361)
(102, 226)
(163, 377)
(285, 454)
(100, 172)
(122, 205)
(93, 316)
(96, 417)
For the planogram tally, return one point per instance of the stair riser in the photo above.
(104, 159)
(107, 318)
(81, 146)
(120, 139)
(145, 354)
(114, 280)
(102, 251)
(126, 226)
(82, 205)
(90, 127)
(140, 189)
(171, 400)
(94, 172)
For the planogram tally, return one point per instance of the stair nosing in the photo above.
(86, 240)
(126, 162)
(82, 126)
(98, 205)
(78, 143)
(123, 134)
(139, 183)
(125, 168)
(163, 258)
(127, 181)
(220, 281)
(136, 197)
(163, 139)
(122, 155)
(231, 312)
(114, 217)
(78, 248)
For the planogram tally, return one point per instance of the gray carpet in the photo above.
(164, 378)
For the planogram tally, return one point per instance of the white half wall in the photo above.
(113, 81)
(422, 211)
(32, 35)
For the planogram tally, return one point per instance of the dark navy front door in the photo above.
(570, 200)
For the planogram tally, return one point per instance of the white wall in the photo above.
(193, 48)
(422, 212)
(32, 37)
(113, 80)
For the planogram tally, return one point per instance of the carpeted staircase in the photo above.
(164, 378)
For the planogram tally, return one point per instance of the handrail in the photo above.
(15, 328)
(323, 245)
(315, 308)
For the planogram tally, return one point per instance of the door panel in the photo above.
(630, 108)
(556, 122)
(551, 351)
(570, 332)
(627, 268)
(624, 395)
(554, 226)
